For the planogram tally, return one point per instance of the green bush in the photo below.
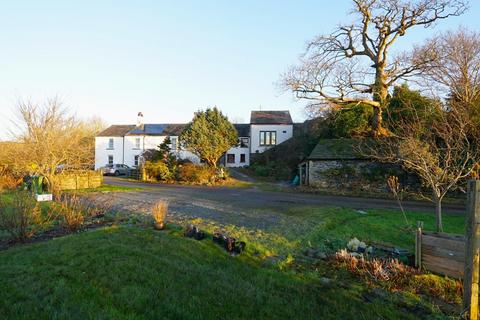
(158, 170)
(197, 174)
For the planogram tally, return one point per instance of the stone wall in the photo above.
(356, 175)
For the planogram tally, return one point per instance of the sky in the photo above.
(167, 59)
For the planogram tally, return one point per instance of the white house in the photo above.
(265, 130)
(124, 144)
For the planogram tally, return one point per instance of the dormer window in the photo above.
(110, 144)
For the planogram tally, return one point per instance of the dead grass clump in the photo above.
(159, 211)
(393, 275)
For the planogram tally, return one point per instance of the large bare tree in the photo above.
(455, 71)
(355, 64)
(50, 139)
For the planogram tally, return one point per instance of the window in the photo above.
(110, 159)
(135, 161)
(242, 158)
(110, 144)
(243, 142)
(268, 138)
(137, 143)
(173, 141)
(230, 158)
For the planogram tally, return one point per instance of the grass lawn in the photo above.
(133, 273)
(128, 271)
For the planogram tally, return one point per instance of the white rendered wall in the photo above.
(284, 132)
(125, 154)
(102, 151)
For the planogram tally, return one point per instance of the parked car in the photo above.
(116, 169)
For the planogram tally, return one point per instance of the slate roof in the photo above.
(270, 117)
(116, 131)
(243, 129)
(336, 149)
(158, 129)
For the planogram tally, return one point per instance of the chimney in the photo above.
(140, 121)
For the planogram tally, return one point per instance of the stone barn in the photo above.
(338, 165)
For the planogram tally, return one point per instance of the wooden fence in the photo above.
(80, 180)
(456, 255)
(441, 253)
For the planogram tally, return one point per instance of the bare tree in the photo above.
(456, 67)
(354, 64)
(50, 139)
(442, 153)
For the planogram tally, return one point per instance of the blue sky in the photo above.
(167, 59)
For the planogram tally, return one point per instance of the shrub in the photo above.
(159, 211)
(197, 174)
(157, 170)
(71, 212)
(22, 218)
(8, 181)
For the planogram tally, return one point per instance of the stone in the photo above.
(362, 212)
(321, 255)
(325, 281)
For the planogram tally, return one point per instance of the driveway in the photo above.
(248, 207)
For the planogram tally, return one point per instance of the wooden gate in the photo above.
(441, 253)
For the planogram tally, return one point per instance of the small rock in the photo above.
(325, 281)
(321, 255)
(362, 212)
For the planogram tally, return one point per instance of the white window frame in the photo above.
(110, 156)
(174, 143)
(268, 138)
(138, 142)
(136, 160)
(111, 144)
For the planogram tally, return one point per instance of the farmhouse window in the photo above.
(110, 159)
(268, 138)
(243, 142)
(110, 143)
(173, 141)
(135, 160)
(230, 158)
(137, 143)
(242, 158)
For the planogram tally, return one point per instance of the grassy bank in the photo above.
(128, 273)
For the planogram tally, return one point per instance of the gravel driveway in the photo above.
(247, 207)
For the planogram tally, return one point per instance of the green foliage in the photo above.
(197, 174)
(209, 135)
(349, 121)
(407, 105)
(158, 170)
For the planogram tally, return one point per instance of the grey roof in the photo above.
(243, 129)
(116, 131)
(337, 149)
(270, 117)
(158, 129)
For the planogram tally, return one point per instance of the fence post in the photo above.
(472, 234)
(418, 245)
